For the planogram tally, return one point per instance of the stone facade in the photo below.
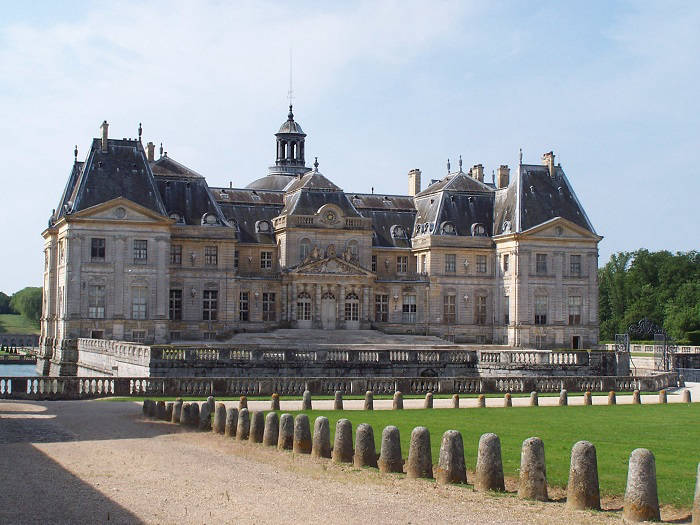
(142, 249)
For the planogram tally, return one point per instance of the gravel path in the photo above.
(90, 461)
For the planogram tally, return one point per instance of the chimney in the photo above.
(548, 160)
(150, 151)
(503, 176)
(104, 127)
(413, 182)
(477, 172)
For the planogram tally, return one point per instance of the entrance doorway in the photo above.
(328, 311)
(576, 342)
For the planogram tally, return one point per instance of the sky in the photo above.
(379, 87)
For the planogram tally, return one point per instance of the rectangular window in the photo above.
(211, 255)
(401, 264)
(506, 310)
(244, 306)
(374, 263)
(449, 308)
(140, 250)
(381, 308)
(139, 302)
(540, 309)
(176, 254)
(304, 308)
(209, 336)
(506, 261)
(480, 312)
(175, 305)
(210, 305)
(235, 259)
(97, 334)
(175, 336)
(96, 301)
(575, 265)
(97, 249)
(424, 263)
(480, 264)
(575, 303)
(409, 309)
(139, 336)
(268, 307)
(352, 310)
(541, 263)
(450, 263)
(265, 260)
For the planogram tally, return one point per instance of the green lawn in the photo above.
(671, 432)
(17, 324)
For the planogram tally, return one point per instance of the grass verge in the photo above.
(17, 324)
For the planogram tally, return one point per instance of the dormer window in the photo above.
(209, 219)
(262, 227)
(478, 230)
(254, 195)
(177, 218)
(448, 229)
(398, 232)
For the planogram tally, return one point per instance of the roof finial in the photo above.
(290, 93)
(493, 176)
(140, 131)
(521, 156)
(448, 166)
(316, 164)
(161, 149)
(460, 163)
(75, 153)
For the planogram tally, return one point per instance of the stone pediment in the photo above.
(331, 266)
(120, 210)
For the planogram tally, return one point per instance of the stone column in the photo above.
(283, 302)
(341, 307)
(293, 301)
(317, 306)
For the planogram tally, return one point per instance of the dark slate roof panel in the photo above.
(68, 192)
(121, 171)
(543, 198)
(456, 182)
(384, 223)
(188, 197)
(505, 213)
(245, 218)
(381, 202)
(166, 166)
(308, 202)
(313, 180)
(248, 196)
(464, 211)
(271, 182)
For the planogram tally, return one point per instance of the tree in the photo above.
(5, 304)
(27, 302)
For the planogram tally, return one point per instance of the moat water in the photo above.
(18, 371)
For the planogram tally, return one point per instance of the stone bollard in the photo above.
(685, 396)
(533, 470)
(152, 408)
(696, 499)
(342, 444)
(160, 410)
(231, 424)
(242, 403)
(534, 399)
(612, 398)
(369, 400)
(220, 418)
(390, 459)
(212, 404)
(636, 398)
(397, 403)
(420, 459)
(193, 419)
(582, 490)
(587, 399)
(257, 427)
(184, 414)
(243, 429)
(177, 408)
(285, 439)
(455, 401)
(306, 401)
(302, 435)
(663, 399)
(204, 422)
(451, 467)
(145, 406)
(681, 383)
(428, 403)
(507, 401)
(481, 401)
(275, 402)
(365, 452)
(338, 400)
(563, 398)
(641, 499)
(169, 411)
(272, 429)
(321, 445)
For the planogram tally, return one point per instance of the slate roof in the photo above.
(271, 182)
(313, 180)
(168, 167)
(246, 218)
(121, 171)
(188, 197)
(456, 182)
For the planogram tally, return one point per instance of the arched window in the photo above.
(352, 307)
(304, 307)
(292, 150)
(304, 249)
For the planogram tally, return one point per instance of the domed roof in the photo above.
(270, 182)
(290, 126)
